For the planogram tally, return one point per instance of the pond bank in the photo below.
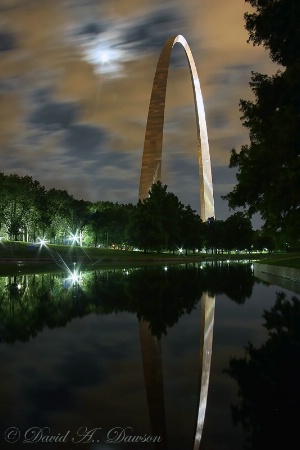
(286, 277)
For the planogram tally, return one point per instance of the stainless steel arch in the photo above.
(152, 154)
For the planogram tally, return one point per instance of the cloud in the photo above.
(150, 31)
(76, 79)
(7, 41)
(54, 115)
(93, 29)
(84, 141)
(10, 117)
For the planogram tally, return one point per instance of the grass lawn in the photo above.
(283, 260)
(24, 251)
(35, 258)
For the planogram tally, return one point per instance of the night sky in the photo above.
(75, 84)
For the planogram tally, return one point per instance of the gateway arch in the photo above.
(152, 154)
(151, 173)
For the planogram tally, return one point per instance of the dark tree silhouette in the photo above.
(268, 169)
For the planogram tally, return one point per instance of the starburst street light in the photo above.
(75, 238)
(42, 241)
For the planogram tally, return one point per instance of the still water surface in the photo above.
(72, 354)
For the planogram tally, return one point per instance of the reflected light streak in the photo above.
(75, 276)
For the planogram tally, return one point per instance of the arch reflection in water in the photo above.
(206, 339)
(153, 372)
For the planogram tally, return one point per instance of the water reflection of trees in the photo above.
(157, 295)
(268, 379)
(234, 280)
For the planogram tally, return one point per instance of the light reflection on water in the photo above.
(71, 353)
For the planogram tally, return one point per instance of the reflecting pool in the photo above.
(111, 359)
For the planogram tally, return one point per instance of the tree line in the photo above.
(29, 212)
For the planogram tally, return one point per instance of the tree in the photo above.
(108, 223)
(98, 225)
(116, 222)
(78, 219)
(21, 206)
(265, 240)
(214, 234)
(192, 229)
(238, 232)
(276, 26)
(58, 205)
(155, 222)
(68, 215)
(268, 168)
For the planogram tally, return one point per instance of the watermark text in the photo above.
(83, 435)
